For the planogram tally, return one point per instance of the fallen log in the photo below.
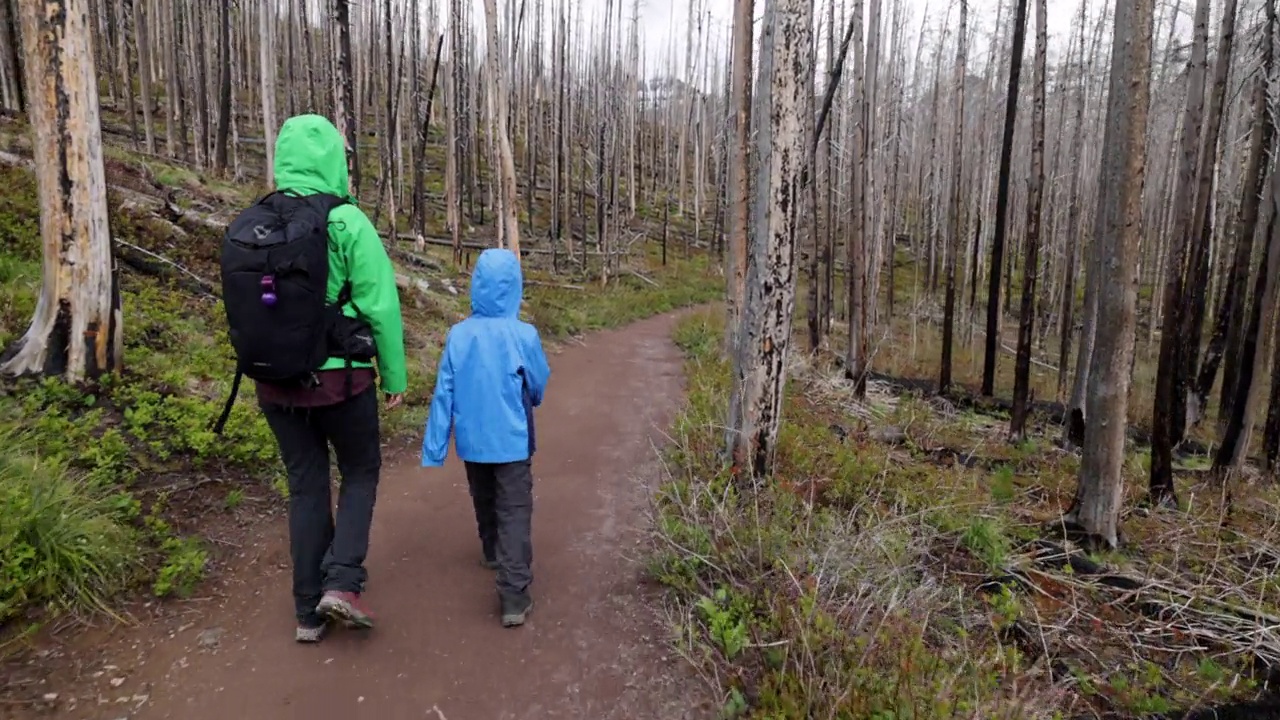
(156, 265)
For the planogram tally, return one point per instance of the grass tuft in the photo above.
(63, 542)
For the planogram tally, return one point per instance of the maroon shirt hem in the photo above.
(331, 390)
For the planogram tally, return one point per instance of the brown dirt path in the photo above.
(593, 648)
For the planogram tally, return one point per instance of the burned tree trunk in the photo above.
(1235, 440)
(267, 72)
(224, 89)
(1035, 201)
(739, 182)
(1166, 418)
(1002, 202)
(508, 217)
(953, 233)
(346, 111)
(783, 115)
(76, 331)
(10, 65)
(1228, 335)
(1118, 234)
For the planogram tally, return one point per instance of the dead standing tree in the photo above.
(782, 106)
(1002, 203)
(76, 332)
(1166, 426)
(508, 214)
(1118, 230)
(1035, 200)
(953, 235)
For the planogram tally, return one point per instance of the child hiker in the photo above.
(492, 375)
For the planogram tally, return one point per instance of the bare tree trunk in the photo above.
(267, 57)
(1035, 201)
(168, 22)
(10, 66)
(1231, 312)
(953, 233)
(782, 106)
(1248, 395)
(224, 89)
(141, 32)
(76, 332)
(856, 244)
(1118, 233)
(739, 183)
(1002, 202)
(1201, 229)
(509, 217)
(419, 167)
(1166, 423)
(346, 112)
(1076, 244)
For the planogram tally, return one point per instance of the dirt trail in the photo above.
(593, 647)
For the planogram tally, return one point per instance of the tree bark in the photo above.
(76, 332)
(1166, 420)
(739, 183)
(783, 114)
(1118, 232)
(1201, 230)
(1035, 202)
(267, 72)
(143, 42)
(346, 111)
(1002, 202)
(10, 65)
(1076, 243)
(224, 89)
(953, 233)
(498, 116)
(856, 242)
(1235, 441)
(1227, 337)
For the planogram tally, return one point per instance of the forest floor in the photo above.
(593, 648)
(118, 503)
(909, 559)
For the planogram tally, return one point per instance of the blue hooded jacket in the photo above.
(492, 373)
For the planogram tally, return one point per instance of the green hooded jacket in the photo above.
(311, 158)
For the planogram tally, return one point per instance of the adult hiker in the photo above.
(492, 374)
(311, 301)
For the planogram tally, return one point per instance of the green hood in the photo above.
(311, 157)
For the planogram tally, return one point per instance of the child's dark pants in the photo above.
(503, 497)
(328, 556)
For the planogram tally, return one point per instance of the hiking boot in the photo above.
(515, 608)
(311, 633)
(345, 607)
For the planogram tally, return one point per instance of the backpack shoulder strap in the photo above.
(325, 203)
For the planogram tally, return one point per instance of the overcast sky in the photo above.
(665, 21)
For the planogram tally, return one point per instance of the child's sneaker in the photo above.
(515, 608)
(309, 633)
(345, 607)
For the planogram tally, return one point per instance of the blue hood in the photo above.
(497, 285)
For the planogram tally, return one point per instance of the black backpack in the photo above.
(275, 276)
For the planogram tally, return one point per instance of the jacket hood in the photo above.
(497, 285)
(311, 157)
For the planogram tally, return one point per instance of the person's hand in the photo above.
(394, 400)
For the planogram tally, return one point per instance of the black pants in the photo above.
(503, 498)
(329, 556)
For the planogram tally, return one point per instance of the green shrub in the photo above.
(62, 543)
